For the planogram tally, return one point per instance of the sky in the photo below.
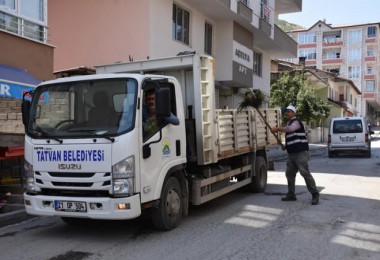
(336, 12)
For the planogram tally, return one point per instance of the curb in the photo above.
(15, 215)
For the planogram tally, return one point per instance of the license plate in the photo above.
(73, 206)
(345, 139)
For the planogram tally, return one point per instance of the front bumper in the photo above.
(97, 208)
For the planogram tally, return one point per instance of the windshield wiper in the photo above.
(106, 137)
(46, 135)
(93, 133)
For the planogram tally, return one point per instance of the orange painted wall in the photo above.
(84, 38)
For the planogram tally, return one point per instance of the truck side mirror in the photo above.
(146, 151)
(25, 110)
(163, 104)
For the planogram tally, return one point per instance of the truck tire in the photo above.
(259, 180)
(168, 214)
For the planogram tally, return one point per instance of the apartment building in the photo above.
(351, 52)
(240, 34)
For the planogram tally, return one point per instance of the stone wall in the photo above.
(10, 116)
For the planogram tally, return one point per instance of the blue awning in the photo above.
(14, 82)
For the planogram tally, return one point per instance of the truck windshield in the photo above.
(104, 107)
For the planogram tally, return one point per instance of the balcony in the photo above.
(370, 40)
(307, 45)
(265, 27)
(332, 61)
(369, 95)
(332, 57)
(332, 42)
(369, 76)
(370, 59)
(244, 11)
(310, 63)
(288, 6)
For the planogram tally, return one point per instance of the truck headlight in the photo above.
(123, 186)
(123, 176)
(29, 174)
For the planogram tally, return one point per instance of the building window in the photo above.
(370, 86)
(25, 18)
(8, 22)
(257, 63)
(370, 52)
(305, 38)
(331, 55)
(33, 9)
(208, 38)
(246, 2)
(354, 54)
(369, 70)
(11, 4)
(371, 31)
(181, 24)
(354, 36)
(333, 70)
(354, 72)
(310, 54)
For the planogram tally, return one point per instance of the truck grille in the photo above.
(86, 183)
(72, 174)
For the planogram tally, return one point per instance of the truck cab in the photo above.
(90, 150)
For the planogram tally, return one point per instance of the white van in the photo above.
(349, 134)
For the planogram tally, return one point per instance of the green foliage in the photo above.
(287, 27)
(294, 90)
(252, 98)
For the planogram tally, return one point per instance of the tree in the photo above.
(295, 90)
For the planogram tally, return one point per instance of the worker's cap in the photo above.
(292, 108)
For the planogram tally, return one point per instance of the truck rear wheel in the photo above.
(168, 214)
(259, 180)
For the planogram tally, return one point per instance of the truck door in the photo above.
(161, 142)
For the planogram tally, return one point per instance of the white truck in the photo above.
(90, 152)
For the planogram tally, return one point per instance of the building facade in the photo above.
(350, 52)
(26, 58)
(241, 35)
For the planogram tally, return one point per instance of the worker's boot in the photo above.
(315, 198)
(289, 197)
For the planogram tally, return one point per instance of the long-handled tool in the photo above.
(255, 99)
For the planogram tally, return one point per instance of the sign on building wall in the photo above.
(13, 90)
(242, 64)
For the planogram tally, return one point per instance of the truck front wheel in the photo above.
(168, 214)
(259, 180)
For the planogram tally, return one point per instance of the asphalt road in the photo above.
(240, 225)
